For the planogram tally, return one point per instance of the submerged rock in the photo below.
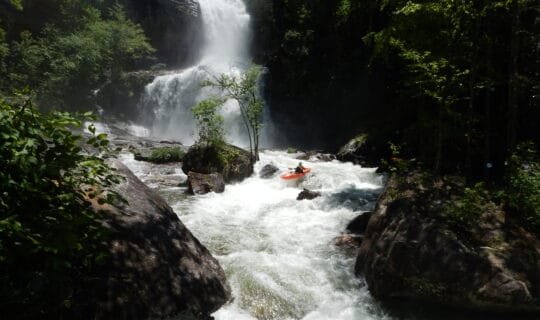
(156, 268)
(200, 183)
(412, 249)
(308, 195)
(268, 171)
(232, 162)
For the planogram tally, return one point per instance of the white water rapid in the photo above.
(169, 98)
(277, 252)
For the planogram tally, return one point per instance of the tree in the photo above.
(245, 90)
(209, 123)
(65, 66)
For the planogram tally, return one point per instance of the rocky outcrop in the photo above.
(199, 183)
(173, 26)
(121, 96)
(359, 224)
(308, 195)
(232, 162)
(358, 151)
(413, 248)
(155, 267)
(268, 171)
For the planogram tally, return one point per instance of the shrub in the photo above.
(49, 236)
(466, 210)
(167, 154)
(522, 194)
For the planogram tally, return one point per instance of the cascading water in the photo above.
(170, 97)
(277, 252)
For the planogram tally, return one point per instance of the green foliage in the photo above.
(523, 192)
(245, 90)
(167, 154)
(64, 65)
(49, 237)
(466, 210)
(209, 123)
(291, 150)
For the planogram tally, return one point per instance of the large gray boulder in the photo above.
(413, 249)
(156, 268)
(268, 171)
(232, 162)
(200, 183)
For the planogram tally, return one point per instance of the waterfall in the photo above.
(167, 101)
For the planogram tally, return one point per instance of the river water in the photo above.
(277, 252)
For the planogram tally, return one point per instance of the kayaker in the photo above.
(300, 168)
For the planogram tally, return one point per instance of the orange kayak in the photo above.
(292, 175)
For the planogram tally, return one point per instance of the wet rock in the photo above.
(347, 241)
(412, 249)
(155, 268)
(358, 225)
(268, 171)
(232, 162)
(308, 195)
(323, 157)
(200, 183)
(360, 150)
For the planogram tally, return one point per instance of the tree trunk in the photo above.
(513, 108)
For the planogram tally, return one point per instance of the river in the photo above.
(277, 252)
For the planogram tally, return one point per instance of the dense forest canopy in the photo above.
(465, 72)
(66, 50)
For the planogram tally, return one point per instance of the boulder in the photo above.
(268, 171)
(347, 241)
(308, 195)
(413, 249)
(232, 162)
(359, 150)
(200, 183)
(359, 224)
(323, 157)
(155, 267)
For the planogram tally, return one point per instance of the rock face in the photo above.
(359, 224)
(359, 151)
(411, 249)
(199, 183)
(163, 21)
(308, 195)
(156, 267)
(268, 171)
(232, 162)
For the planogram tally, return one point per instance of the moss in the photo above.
(291, 150)
(424, 287)
(360, 139)
(161, 155)
(226, 155)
